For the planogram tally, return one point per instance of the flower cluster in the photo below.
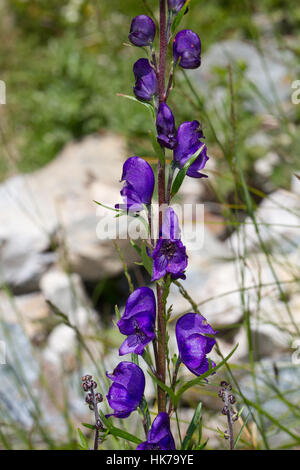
(143, 321)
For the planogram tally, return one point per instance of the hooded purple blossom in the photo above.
(188, 142)
(145, 80)
(165, 125)
(187, 49)
(139, 184)
(175, 5)
(159, 437)
(138, 321)
(127, 390)
(142, 31)
(169, 255)
(192, 344)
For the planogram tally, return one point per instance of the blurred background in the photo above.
(64, 136)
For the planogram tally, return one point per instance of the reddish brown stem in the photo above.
(161, 360)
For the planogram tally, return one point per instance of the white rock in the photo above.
(61, 345)
(277, 218)
(67, 293)
(28, 310)
(258, 70)
(60, 196)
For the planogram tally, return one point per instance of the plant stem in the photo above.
(161, 359)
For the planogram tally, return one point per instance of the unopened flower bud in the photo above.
(98, 397)
(142, 31)
(231, 399)
(175, 5)
(187, 49)
(225, 410)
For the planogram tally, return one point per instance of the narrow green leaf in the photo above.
(83, 442)
(201, 446)
(136, 247)
(192, 427)
(107, 207)
(147, 105)
(124, 435)
(183, 171)
(117, 311)
(111, 429)
(179, 17)
(157, 148)
(163, 386)
(199, 379)
(147, 261)
(241, 431)
(89, 426)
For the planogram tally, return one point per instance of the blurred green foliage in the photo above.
(64, 61)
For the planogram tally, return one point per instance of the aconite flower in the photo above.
(138, 321)
(139, 184)
(175, 5)
(192, 343)
(142, 31)
(159, 437)
(169, 255)
(127, 390)
(187, 49)
(188, 143)
(145, 80)
(165, 125)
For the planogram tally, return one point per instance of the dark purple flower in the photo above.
(145, 80)
(142, 31)
(138, 321)
(159, 437)
(192, 344)
(139, 184)
(169, 255)
(188, 142)
(165, 125)
(175, 5)
(127, 390)
(187, 49)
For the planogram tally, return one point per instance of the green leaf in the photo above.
(147, 105)
(124, 435)
(147, 261)
(118, 432)
(241, 430)
(83, 442)
(163, 386)
(136, 247)
(89, 426)
(117, 311)
(183, 171)
(192, 428)
(157, 148)
(179, 17)
(201, 446)
(107, 207)
(199, 380)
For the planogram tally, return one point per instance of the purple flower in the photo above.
(187, 49)
(169, 255)
(139, 184)
(142, 31)
(165, 125)
(159, 437)
(138, 321)
(192, 344)
(145, 80)
(188, 138)
(175, 5)
(127, 390)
